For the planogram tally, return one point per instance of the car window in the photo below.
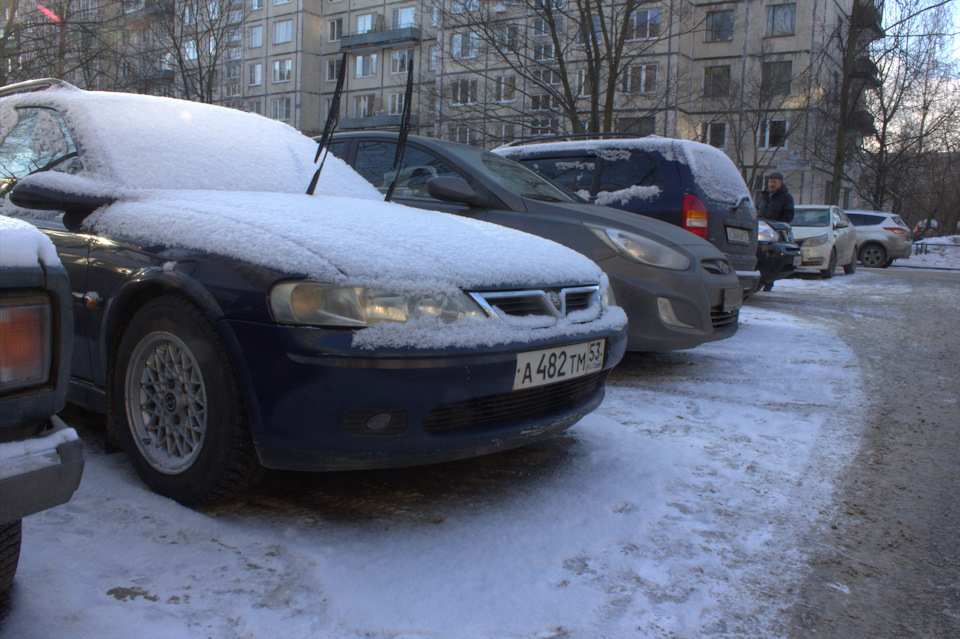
(811, 217)
(337, 148)
(39, 141)
(510, 175)
(640, 169)
(864, 219)
(574, 173)
(375, 163)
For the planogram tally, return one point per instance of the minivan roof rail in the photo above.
(34, 85)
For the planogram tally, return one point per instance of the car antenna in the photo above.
(332, 118)
(404, 130)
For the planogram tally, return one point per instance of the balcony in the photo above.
(865, 69)
(379, 39)
(862, 122)
(375, 122)
(869, 17)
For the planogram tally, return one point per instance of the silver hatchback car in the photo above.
(881, 238)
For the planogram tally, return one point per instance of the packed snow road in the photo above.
(799, 479)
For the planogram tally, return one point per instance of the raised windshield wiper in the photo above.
(332, 118)
(404, 130)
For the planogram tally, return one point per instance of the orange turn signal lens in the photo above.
(24, 345)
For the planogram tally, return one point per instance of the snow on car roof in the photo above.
(715, 172)
(23, 245)
(150, 142)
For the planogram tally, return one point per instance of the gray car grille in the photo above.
(541, 307)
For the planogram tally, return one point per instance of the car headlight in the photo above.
(642, 249)
(317, 304)
(766, 233)
(816, 241)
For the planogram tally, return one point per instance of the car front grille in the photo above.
(716, 266)
(721, 319)
(541, 307)
(522, 404)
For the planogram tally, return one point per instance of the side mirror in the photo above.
(457, 190)
(53, 195)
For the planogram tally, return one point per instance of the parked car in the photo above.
(228, 321)
(778, 256)
(881, 237)
(678, 291)
(41, 458)
(826, 239)
(687, 184)
(925, 228)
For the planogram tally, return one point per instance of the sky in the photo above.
(681, 507)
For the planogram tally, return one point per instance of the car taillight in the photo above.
(25, 328)
(895, 229)
(694, 215)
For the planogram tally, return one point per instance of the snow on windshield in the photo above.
(148, 142)
(715, 172)
(22, 245)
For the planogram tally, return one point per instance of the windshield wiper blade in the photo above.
(404, 130)
(332, 118)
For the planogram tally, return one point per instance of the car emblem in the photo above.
(555, 300)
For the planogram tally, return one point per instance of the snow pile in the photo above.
(22, 245)
(934, 252)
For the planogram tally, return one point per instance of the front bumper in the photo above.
(311, 397)
(815, 258)
(777, 260)
(695, 296)
(40, 472)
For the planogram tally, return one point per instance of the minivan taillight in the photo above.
(25, 329)
(694, 215)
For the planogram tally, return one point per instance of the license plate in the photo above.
(536, 368)
(738, 236)
(732, 299)
(797, 259)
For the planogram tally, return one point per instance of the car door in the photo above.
(846, 241)
(40, 141)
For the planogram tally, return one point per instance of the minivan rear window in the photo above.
(575, 173)
(640, 169)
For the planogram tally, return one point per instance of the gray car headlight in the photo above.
(816, 241)
(766, 233)
(642, 249)
(317, 304)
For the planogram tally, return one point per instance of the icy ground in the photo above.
(679, 508)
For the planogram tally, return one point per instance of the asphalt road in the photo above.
(890, 565)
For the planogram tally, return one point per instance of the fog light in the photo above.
(375, 422)
(668, 316)
(378, 421)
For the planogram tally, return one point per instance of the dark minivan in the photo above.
(689, 184)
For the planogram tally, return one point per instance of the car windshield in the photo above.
(518, 179)
(811, 217)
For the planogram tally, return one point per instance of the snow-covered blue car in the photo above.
(226, 321)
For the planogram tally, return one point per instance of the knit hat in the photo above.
(776, 175)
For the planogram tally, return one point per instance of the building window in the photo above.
(255, 74)
(506, 133)
(280, 109)
(254, 107)
(434, 56)
(719, 26)
(543, 52)
(773, 134)
(232, 90)
(254, 5)
(400, 60)
(584, 90)
(367, 65)
(463, 6)
(403, 18)
(282, 70)
(363, 105)
(232, 72)
(506, 36)
(396, 104)
(546, 77)
(775, 77)
(644, 25)
(716, 81)
(256, 37)
(233, 53)
(464, 91)
(543, 126)
(335, 30)
(190, 50)
(463, 135)
(640, 79)
(639, 126)
(505, 88)
(781, 19)
(367, 23)
(333, 69)
(714, 134)
(543, 27)
(282, 31)
(540, 102)
(276, 2)
(235, 35)
(464, 45)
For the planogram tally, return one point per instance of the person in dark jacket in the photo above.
(776, 203)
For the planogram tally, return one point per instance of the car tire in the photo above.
(10, 535)
(886, 264)
(180, 411)
(827, 273)
(851, 267)
(873, 255)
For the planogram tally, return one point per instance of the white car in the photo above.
(881, 237)
(826, 239)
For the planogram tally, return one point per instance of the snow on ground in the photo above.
(679, 508)
(934, 252)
